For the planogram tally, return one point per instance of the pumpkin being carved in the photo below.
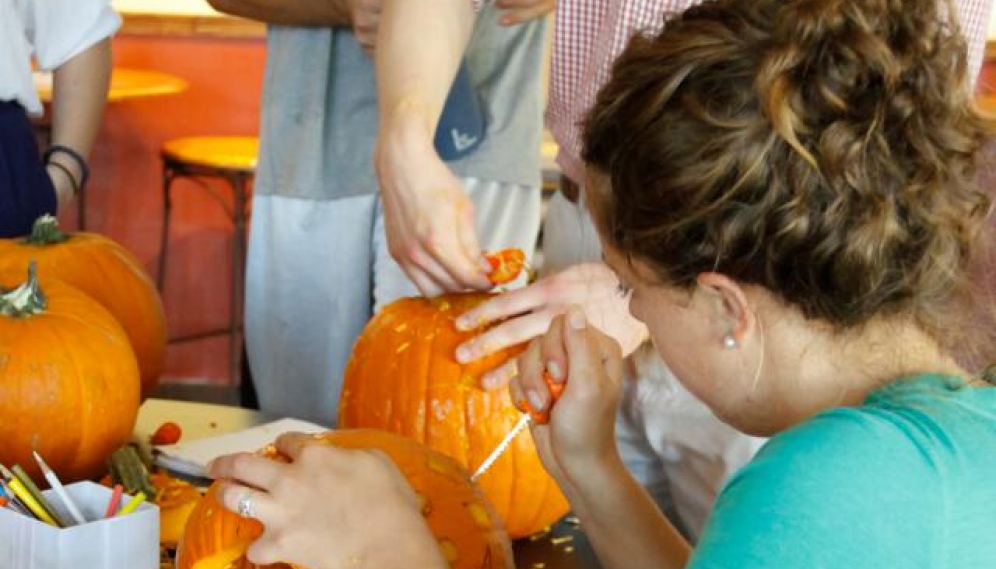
(403, 377)
(106, 272)
(469, 532)
(69, 384)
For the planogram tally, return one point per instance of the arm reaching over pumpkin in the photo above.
(529, 312)
(429, 219)
(578, 444)
(329, 507)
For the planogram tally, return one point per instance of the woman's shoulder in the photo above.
(863, 486)
(912, 425)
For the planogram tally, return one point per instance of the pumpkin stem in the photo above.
(45, 231)
(25, 300)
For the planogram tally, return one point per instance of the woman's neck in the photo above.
(816, 369)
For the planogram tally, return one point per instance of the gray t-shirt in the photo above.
(319, 118)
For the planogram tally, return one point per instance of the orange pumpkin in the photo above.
(176, 500)
(69, 384)
(108, 273)
(403, 377)
(469, 532)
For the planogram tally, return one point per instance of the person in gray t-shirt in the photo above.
(317, 263)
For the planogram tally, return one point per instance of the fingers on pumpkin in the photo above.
(248, 468)
(509, 333)
(291, 444)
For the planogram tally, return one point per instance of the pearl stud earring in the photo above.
(729, 342)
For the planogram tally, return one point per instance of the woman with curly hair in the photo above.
(787, 190)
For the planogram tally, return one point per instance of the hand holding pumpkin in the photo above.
(580, 436)
(329, 507)
(529, 312)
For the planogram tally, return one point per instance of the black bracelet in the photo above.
(69, 174)
(80, 161)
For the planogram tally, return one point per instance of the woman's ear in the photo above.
(729, 308)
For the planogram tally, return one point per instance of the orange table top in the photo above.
(126, 83)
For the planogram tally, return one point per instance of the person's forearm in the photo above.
(79, 95)
(329, 13)
(622, 522)
(419, 46)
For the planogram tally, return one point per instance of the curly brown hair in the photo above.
(823, 149)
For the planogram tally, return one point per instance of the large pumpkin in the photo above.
(469, 532)
(69, 384)
(106, 272)
(403, 377)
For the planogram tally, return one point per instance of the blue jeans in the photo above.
(26, 191)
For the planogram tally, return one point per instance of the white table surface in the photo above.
(196, 420)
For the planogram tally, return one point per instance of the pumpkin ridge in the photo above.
(428, 388)
(80, 433)
(88, 323)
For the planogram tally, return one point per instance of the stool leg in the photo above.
(168, 177)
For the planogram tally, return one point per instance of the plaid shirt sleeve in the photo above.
(973, 15)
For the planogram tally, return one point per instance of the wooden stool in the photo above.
(232, 158)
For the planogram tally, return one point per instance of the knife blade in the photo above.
(532, 415)
(524, 422)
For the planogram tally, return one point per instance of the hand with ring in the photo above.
(327, 507)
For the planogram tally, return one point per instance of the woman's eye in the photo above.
(623, 289)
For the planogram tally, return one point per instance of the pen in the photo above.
(34, 492)
(25, 497)
(12, 501)
(112, 505)
(132, 504)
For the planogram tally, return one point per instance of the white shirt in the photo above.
(51, 32)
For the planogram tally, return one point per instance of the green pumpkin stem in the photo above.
(45, 231)
(25, 300)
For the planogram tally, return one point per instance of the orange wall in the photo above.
(124, 198)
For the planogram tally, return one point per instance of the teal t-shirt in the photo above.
(908, 479)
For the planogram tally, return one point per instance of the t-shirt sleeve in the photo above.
(61, 29)
(848, 488)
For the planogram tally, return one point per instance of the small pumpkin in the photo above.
(403, 377)
(108, 273)
(469, 532)
(69, 384)
(505, 265)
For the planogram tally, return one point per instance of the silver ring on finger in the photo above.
(244, 506)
